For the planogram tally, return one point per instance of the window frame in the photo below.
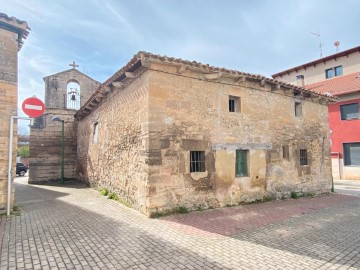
(303, 157)
(345, 155)
(348, 104)
(333, 71)
(286, 152)
(298, 113)
(197, 161)
(238, 167)
(234, 104)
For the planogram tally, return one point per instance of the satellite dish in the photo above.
(337, 44)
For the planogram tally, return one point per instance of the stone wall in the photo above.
(9, 46)
(45, 148)
(112, 144)
(187, 113)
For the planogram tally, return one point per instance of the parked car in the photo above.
(21, 169)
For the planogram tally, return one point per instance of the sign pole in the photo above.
(8, 203)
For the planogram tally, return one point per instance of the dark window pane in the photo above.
(231, 105)
(298, 109)
(329, 73)
(338, 71)
(349, 111)
(352, 154)
(197, 161)
(303, 157)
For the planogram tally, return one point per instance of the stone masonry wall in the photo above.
(114, 156)
(8, 105)
(187, 113)
(45, 148)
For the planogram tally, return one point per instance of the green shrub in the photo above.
(295, 195)
(183, 210)
(104, 191)
(113, 196)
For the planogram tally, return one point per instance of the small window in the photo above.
(197, 161)
(300, 77)
(352, 154)
(241, 166)
(338, 71)
(349, 111)
(286, 154)
(234, 104)
(329, 73)
(95, 132)
(298, 109)
(333, 72)
(303, 157)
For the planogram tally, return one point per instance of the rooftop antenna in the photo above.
(337, 44)
(321, 44)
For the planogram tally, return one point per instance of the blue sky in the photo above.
(263, 37)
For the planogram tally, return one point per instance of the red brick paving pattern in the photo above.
(234, 220)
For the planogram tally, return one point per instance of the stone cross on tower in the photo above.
(73, 65)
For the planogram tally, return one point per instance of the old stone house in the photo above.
(164, 132)
(65, 93)
(12, 34)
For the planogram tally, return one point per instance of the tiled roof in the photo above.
(337, 86)
(16, 25)
(315, 62)
(142, 57)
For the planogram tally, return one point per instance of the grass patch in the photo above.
(113, 196)
(104, 191)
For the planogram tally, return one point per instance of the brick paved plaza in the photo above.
(73, 227)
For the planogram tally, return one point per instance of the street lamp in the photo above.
(58, 119)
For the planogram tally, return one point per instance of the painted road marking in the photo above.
(33, 107)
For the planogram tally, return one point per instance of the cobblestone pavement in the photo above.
(73, 227)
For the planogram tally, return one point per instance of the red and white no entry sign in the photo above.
(33, 107)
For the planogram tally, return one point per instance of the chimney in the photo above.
(300, 81)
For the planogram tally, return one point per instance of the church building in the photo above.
(65, 93)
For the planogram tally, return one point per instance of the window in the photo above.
(286, 154)
(241, 166)
(298, 109)
(338, 71)
(197, 161)
(303, 157)
(335, 71)
(95, 132)
(349, 111)
(352, 154)
(300, 77)
(234, 104)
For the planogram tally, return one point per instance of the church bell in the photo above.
(73, 98)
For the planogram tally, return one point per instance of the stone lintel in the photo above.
(241, 146)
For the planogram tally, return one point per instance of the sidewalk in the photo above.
(73, 227)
